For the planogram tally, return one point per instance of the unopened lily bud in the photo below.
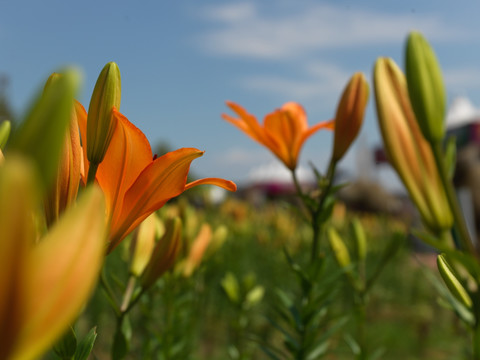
(425, 87)
(350, 114)
(100, 124)
(5, 129)
(219, 237)
(64, 188)
(339, 248)
(164, 254)
(143, 244)
(360, 239)
(453, 284)
(407, 150)
(197, 251)
(231, 287)
(41, 135)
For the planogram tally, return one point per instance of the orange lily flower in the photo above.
(284, 130)
(135, 185)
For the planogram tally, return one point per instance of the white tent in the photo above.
(461, 112)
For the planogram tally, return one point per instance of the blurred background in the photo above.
(180, 61)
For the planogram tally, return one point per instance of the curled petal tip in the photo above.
(225, 184)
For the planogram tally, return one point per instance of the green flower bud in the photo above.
(254, 296)
(360, 239)
(425, 87)
(450, 279)
(339, 248)
(231, 287)
(41, 135)
(100, 127)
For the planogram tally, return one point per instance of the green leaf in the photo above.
(85, 346)
(352, 343)
(320, 350)
(66, 347)
(271, 352)
(290, 342)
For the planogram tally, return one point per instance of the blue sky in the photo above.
(180, 61)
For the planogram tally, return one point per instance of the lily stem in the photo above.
(109, 293)
(128, 294)
(316, 223)
(92, 171)
(460, 224)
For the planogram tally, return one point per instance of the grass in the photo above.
(194, 319)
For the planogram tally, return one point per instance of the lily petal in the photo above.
(162, 180)
(127, 156)
(64, 273)
(225, 184)
(284, 131)
(17, 234)
(247, 122)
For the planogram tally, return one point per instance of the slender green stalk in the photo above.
(315, 211)
(316, 223)
(459, 220)
(92, 171)
(128, 294)
(109, 293)
(476, 342)
(361, 314)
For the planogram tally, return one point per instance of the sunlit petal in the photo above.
(17, 234)
(247, 122)
(162, 180)
(81, 115)
(225, 184)
(65, 267)
(127, 156)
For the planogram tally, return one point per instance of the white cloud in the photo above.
(242, 156)
(321, 80)
(244, 29)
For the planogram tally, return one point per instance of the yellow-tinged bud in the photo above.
(199, 246)
(164, 254)
(425, 87)
(339, 248)
(407, 150)
(219, 237)
(143, 244)
(100, 126)
(360, 239)
(231, 287)
(453, 284)
(5, 129)
(350, 114)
